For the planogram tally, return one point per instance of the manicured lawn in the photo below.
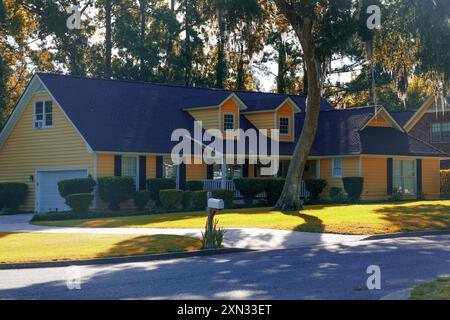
(34, 247)
(343, 219)
(436, 290)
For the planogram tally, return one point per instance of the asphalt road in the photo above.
(331, 272)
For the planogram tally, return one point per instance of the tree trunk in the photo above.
(108, 41)
(240, 78)
(281, 77)
(221, 65)
(290, 197)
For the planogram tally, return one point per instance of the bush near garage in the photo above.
(76, 186)
(115, 190)
(12, 195)
(171, 199)
(80, 202)
(154, 186)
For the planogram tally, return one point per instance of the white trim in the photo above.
(136, 156)
(44, 115)
(360, 167)
(332, 168)
(94, 176)
(383, 112)
(318, 168)
(37, 194)
(291, 103)
(411, 120)
(289, 125)
(234, 121)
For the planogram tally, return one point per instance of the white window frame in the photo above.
(440, 131)
(44, 115)
(289, 125)
(334, 173)
(402, 177)
(136, 178)
(234, 121)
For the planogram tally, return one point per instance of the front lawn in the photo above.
(36, 247)
(436, 290)
(343, 219)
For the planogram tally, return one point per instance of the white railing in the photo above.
(210, 185)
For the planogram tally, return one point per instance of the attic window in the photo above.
(43, 114)
(285, 128)
(228, 122)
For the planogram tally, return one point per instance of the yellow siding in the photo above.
(431, 179)
(28, 149)
(105, 165)
(379, 121)
(208, 117)
(374, 171)
(286, 111)
(195, 172)
(350, 168)
(261, 120)
(151, 167)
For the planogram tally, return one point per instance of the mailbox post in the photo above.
(214, 205)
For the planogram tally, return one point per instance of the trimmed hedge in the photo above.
(199, 200)
(141, 199)
(274, 189)
(226, 195)
(338, 195)
(445, 182)
(353, 187)
(315, 187)
(194, 185)
(171, 199)
(12, 195)
(115, 190)
(80, 202)
(186, 201)
(76, 186)
(154, 186)
(250, 187)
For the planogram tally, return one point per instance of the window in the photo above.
(233, 171)
(43, 114)
(228, 122)
(129, 167)
(285, 128)
(169, 168)
(405, 176)
(440, 132)
(337, 168)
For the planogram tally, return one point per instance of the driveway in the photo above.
(325, 272)
(246, 238)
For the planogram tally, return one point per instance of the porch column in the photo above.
(224, 175)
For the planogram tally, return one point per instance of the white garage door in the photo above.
(48, 197)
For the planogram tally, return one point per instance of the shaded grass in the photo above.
(38, 247)
(438, 289)
(341, 219)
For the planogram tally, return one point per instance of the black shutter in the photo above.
(142, 172)
(210, 172)
(117, 165)
(245, 169)
(182, 176)
(159, 166)
(255, 170)
(390, 175)
(419, 176)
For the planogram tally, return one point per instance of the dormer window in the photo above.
(229, 122)
(285, 126)
(43, 114)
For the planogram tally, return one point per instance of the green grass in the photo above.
(37, 247)
(341, 219)
(438, 289)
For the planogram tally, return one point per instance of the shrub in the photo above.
(338, 195)
(396, 195)
(315, 187)
(354, 187)
(250, 187)
(80, 202)
(226, 195)
(141, 199)
(198, 200)
(445, 182)
(171, 199)
(274, 189)
(194, 185)
(76, 186)
(12, 195)
(216, 233)
(158, 184)
(186, 201)
(115, 190)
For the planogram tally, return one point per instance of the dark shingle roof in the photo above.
(125, 116)
(402, 117)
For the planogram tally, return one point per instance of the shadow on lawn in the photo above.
(418, 217)
(311, 224)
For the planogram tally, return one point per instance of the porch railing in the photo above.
(210, 185)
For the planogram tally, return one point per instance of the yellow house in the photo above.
(66, 127)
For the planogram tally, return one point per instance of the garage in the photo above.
(48, 198)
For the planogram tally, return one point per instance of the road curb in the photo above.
(398, 295)
(118, 260)
(406, 235)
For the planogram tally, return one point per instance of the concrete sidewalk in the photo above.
(244, 238)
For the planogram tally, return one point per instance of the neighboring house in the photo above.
(66, 127)
(430, 123)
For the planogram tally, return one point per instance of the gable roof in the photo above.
(402, 117)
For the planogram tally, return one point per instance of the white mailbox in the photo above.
(216, 204)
